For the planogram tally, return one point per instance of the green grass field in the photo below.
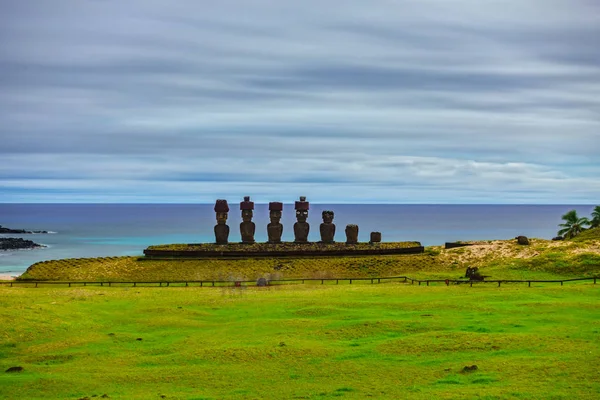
(304, 341)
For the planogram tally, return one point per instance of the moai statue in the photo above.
(327, 228)
(247, 227)
(375, 237)
(301, 227)
(221, 229)
(351, 234)
(274, 228)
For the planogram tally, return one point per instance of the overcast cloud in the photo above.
(402, 101)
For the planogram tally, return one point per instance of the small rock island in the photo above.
(4, 229)
(18, 244)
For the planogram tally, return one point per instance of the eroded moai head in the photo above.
(351, 234)
(302, 207)
(275, 209)
(327, 216)
(247, 208)
(222, 210)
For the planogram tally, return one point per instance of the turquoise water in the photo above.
(93, 230)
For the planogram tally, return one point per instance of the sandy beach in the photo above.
(7, 277)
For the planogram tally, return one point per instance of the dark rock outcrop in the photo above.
(558, 238)
(4, 229)
(522, 240)
(17, 243)
(452, 245)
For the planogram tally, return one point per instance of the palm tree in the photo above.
(595, 222)
(573, 224)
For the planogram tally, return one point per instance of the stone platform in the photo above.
(285, 249)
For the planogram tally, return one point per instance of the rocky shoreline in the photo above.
(18, 244)
(4, 229)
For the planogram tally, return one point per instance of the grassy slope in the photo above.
(542, 259)
(382, 341)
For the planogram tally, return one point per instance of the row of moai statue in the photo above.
(275, 228)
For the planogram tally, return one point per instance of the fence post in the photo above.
(427, 283)
(322, 280)
(102, 283)
(471, 283)
(561, 283)
(213, 282)
(405, 278)
(201, 283)
(350, 281)
(84, 283)
(134, 283)
(337, 281)
(36, 284)
(419, 283)
(186, 284)
(529, 283)
(498, 283)
(594, 281)
(378, 280)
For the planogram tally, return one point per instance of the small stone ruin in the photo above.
(375, 237)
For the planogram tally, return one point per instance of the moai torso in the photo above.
(351, 234)
(327, 228)
(222, 233)
(301, 228)
(274, 228)
(247, 230)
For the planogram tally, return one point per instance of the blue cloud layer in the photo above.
(386, 101)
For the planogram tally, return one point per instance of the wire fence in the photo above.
(264, 282)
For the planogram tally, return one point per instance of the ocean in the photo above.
(94, 230)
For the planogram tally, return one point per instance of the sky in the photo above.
(407, 101)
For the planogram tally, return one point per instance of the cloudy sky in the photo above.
(406, 101)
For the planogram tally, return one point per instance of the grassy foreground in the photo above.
(308, 342)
